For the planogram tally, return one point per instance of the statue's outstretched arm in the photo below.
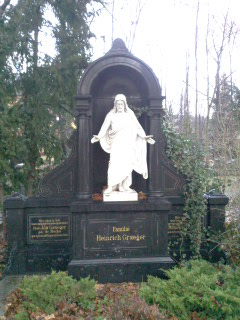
(95, 139)
(149, 139)
(106, 124)
(140, 132)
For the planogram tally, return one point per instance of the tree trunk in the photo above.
(181, 114)
(208, 103)
(35, 43)
(113, 3)
(34, 153)
(196, 74)
(187, 125)
(30, 185)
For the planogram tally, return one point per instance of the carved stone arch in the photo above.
(120, 57)
(116, 72)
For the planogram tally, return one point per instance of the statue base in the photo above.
(119, 241)
(120, 196)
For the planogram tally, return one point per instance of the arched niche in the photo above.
(108, 83)
(119, 56)
(116, 72)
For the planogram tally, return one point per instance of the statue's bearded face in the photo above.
(120, 106)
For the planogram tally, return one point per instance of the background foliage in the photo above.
(33, 85)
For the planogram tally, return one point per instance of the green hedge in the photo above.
(213, 292)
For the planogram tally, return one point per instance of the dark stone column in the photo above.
(83, 178)
(155, 181)
(216, 211)
(215, 220)
(16, 234)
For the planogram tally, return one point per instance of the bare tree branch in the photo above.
(139, 9)
(113, 18)
(190, 86)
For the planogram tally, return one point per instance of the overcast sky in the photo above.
(165, 35)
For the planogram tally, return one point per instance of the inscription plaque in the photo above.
(50, 228)
(109, 234)
(176, 226)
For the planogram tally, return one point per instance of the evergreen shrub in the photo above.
(45, 293)
(213, 292)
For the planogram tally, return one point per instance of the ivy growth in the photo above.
(138, 111)
(188, 158)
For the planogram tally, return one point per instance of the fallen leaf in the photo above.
(97, 197)
(142, 196)
(194, 316)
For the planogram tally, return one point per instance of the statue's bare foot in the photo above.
(121, 189)
(125, 187)
(108, 190)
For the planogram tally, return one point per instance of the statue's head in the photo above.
(119, 102)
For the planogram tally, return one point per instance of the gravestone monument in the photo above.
(121, 239)
(117, 240)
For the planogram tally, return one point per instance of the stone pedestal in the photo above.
(115, 196)
(116, 242)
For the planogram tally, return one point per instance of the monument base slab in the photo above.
(120, 241)
(120, 270)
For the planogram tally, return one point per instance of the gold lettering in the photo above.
(49, 228)
(109, 238)
(121, 229)
(118, 237)
(39, 236)
(125, 237)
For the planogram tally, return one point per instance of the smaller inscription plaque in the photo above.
(176, 226)
(51, 228)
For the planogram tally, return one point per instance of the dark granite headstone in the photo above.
(113, 235)
(64, 228)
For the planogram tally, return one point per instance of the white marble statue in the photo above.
(123, 137)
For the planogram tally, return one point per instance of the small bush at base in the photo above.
(198, 286)
(47, 292)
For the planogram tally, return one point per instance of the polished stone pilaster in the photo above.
(83, 111)
(155, 181)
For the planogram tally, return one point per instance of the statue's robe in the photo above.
(122, 136)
